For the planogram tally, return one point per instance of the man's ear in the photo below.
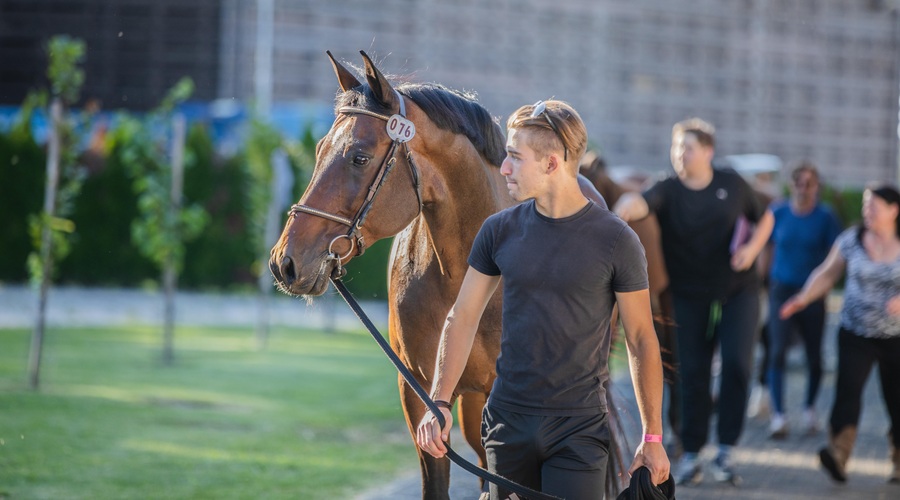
(553, 162)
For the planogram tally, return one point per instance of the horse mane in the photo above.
(451, 110)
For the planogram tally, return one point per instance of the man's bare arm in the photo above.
(631, 207)
(647, 376)
(453, 354)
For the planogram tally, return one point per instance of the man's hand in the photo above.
(653, 457)
(743, 258)
(429, 435)
(631, 207)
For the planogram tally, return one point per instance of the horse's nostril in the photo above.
(287, 270)
(273, 268)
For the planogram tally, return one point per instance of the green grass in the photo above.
(315, 416)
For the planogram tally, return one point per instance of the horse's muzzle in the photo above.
(289, 280)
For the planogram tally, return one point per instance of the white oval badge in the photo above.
(400, 129)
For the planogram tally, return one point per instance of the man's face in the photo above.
(688, 155)
(523, 169)
(806, 188)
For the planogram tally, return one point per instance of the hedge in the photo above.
(102, 252)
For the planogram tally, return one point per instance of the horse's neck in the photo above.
(469, 194)
(610, 191)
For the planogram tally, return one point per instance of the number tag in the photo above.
(400, 129)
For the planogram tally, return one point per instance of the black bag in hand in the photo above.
(642, 487)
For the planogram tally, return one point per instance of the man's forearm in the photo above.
(647, 378)
(459, 330)
(453, 354)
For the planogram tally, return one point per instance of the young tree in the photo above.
(278, 171)
(270, 179)
(63, 182)
(165, 223)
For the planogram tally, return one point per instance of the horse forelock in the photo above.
(452, 110)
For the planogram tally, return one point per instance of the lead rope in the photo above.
(524, 491)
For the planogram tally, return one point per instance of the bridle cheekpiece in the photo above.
(401, 130)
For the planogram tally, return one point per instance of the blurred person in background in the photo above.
(803, 234)
(703, 215)
(870, 323)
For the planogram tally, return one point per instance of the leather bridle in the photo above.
(354, 235)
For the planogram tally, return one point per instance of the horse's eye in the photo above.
(360, 160)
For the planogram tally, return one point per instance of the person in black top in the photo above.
(565, 262)
(705, 216)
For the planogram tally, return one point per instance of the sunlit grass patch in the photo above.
(314, 416)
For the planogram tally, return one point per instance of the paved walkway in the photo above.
(771, 469)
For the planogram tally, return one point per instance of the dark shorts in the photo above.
(562, 456)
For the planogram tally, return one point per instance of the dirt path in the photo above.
(77, 306)
(408, 486)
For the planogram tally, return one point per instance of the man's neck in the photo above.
(802, 208)
(696, 178)
(561, 200)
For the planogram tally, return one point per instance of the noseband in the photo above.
(354, 235)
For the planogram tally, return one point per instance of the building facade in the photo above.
(801, 79)
(136, 49)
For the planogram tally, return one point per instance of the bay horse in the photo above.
(447, 182)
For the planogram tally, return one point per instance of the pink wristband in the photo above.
(653, 438)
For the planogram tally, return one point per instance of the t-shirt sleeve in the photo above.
(629, 263)
(655, 196)
(777, 207)
(481, 258)
(845, 242)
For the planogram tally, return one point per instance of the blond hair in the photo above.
(572, 137)
(701, 129)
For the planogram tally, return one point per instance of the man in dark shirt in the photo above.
(704, 216)
(565, 263)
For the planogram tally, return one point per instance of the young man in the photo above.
(564, 262)
(714, 287)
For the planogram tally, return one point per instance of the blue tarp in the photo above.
(226, 120)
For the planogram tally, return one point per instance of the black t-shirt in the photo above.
(697, 229)
(559, 280)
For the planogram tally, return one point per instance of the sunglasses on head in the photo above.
(540, 108)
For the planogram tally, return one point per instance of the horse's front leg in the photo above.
(470, 409)
(435, 471)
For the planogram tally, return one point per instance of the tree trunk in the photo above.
(46, 250)
(280, 189)
(170, 268)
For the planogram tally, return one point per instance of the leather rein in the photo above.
(354, 235)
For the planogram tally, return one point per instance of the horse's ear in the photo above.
(346, 79)
(381, 88)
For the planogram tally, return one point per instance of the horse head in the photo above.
(355, 196)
